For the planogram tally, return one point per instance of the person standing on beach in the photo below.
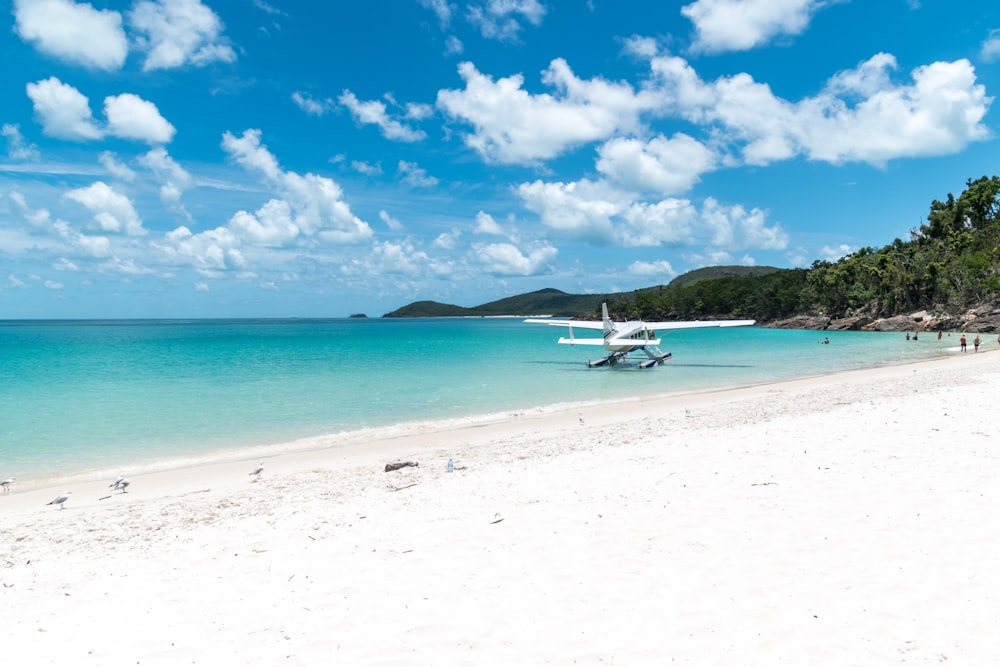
(961, 342)
(976, 341)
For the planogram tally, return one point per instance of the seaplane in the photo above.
(620, 338)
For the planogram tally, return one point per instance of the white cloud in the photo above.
(580, 210)
(113, 211)
(660, 267)
(661, 165)
(447, 240)
(119, 170)
(73, 32)
(210, 251)
(390, 222)
(366, 168)
(735, 228)
(83, 244)
(834, 253)
(376, 113)
(63, 111)
(990, 48)
(271, 226)
(739, 25)
(513, 126)
(315, 202)
(174, 179)
(666, 222)
(414, 176)
(312, 106)
(177, 33)
(861, 115)
(485, 224)
(131, 117)
(503, 19)
(441, 8)
(17, 147)
(506, 259)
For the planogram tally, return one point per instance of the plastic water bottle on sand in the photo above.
(451, 466)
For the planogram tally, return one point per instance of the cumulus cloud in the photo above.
(662, 165)
(376, 113)
(658, 268)
(485, 224)
(209, 252)
(506, 259)
(581, 210)
(63, 111)
(666, 222)
(131, 117)
(740, 25)
(113, 212)
(76, 33)
(315, 203)
(513, 126)
(735, 228)
(272, 225)
(175, 33)
(597, 213)
(860, 115)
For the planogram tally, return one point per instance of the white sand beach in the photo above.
(842, 520)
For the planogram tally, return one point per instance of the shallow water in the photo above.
(81, 396)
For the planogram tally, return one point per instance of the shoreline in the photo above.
(377, 442)
(838, 519)
(379, 435)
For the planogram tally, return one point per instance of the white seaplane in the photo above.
(620, 338)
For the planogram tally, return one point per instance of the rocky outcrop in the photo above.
(984, 319)
(817, 322)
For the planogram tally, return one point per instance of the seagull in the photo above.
(257, 471)
(120, 485)
(60, 499)
(6, 484)
(118, 480)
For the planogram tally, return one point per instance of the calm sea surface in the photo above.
(94, 396)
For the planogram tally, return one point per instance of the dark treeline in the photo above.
(950, 264)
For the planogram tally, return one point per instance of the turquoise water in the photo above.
(84, 396)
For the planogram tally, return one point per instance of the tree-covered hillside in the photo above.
(949, 265)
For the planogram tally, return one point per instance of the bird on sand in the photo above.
(60, 499)
(118, 480)
(120, 485)
(257, 471)
(6, 484)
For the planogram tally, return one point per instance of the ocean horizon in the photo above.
(96, 397)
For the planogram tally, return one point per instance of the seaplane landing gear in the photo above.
(609, 360)
(654, 359)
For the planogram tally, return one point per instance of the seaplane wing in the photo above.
(579, 324)
(620, 338)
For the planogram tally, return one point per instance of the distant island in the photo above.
(361, 315)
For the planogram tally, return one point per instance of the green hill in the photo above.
(543, 302)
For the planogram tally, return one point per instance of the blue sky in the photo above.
(189, 158)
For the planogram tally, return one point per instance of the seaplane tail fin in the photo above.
(609, 326)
